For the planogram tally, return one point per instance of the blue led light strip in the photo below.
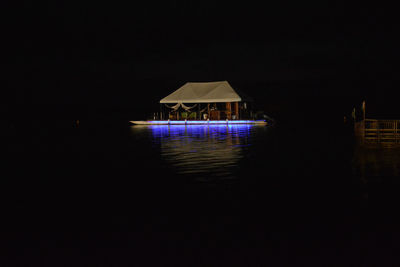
(207, 122)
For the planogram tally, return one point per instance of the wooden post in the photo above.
(208, 110)
(363, 105)
(237, 110)
(198, 111)
(228, 110)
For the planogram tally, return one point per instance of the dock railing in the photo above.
(378, 132)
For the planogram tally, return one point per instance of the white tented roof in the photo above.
(203, 92)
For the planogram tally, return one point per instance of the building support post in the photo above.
(237, 110)
(228, 108)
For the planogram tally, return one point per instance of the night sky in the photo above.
(117, 55)
(83, 193)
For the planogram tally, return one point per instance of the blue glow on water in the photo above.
(216, 130)
(205, 152)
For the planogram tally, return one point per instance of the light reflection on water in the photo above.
(376, 162)
(203, 150)
(229, 151)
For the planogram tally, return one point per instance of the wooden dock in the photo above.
(378, 133)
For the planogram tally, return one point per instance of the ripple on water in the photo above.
(206, 151)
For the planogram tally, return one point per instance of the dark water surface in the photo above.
(110, 194)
